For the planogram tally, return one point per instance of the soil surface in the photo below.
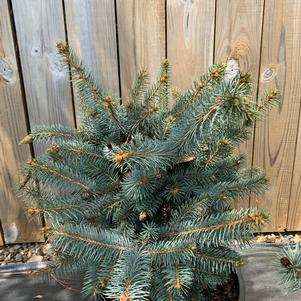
(226, 292)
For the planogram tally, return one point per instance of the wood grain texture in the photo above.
(91, 28)
(238, 36)
(190, 39)
(294, 213)
(39, 26)
(15, 225)
(141, 34)
(1, 238)
(275, 138)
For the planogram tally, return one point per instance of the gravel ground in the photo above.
(33, 252)
(27, 252)
(278, 238)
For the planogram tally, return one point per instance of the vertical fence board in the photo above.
(13, 127)
(190, 39)
(275, 138)
(91, 30)
(1, 239)
(294, 213)
(39, 26)
(141, 34)
(238, 36)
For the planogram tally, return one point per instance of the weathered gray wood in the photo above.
(190, 39)
(1, 238)
(141, 34)
(39, 26)
(294, 213)
(238, 36)
(16, 227)
(91, 29)
(275, 138)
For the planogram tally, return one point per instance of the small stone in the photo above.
(16, 247)
(8, 258)
(296, 239)
(39, 251)
(46, 248)
(35, 258)
(18, 257)
(271, 238)
(260, 238)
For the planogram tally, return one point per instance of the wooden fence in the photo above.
(117, 37)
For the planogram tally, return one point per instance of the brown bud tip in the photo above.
(26, 140)
(170, 119)
(53, 149)
(226, 141)
(121, 156)
(153, 109)
(272, 94)
(213, 108)
(202, 84)
(205, 148)
(174, 190)
(187, 158)
(31, 162)
(107, 106)
(163, 79)
(193, 247)
(61, 46)
(218, 100)
(285, 261)
(145, 72)
(33, 211)
(92, 114)
(174, 91)
(215, 70)
(202, 115)
(108, 98)
(165, 62)
(143, 180)
(46, 229)
(142, 216)
(124, 297)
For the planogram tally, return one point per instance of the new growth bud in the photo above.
(26, 140)
(53, 149)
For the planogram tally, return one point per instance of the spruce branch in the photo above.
(138, 87)
(50, 134)
(43, 169)
(290, 268)
(253, 218)
(87, 79)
